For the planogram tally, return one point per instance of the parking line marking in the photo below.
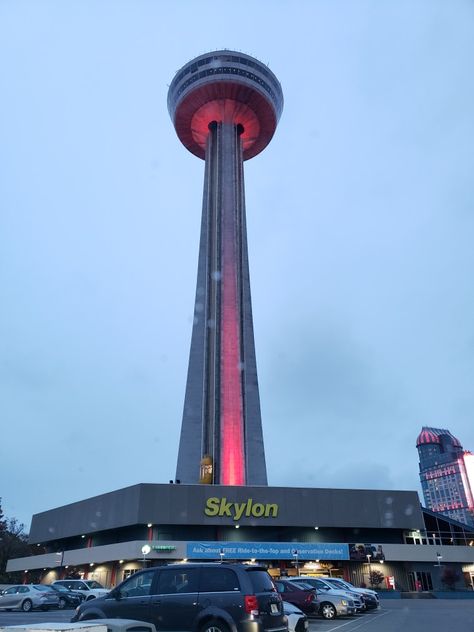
(360, 624)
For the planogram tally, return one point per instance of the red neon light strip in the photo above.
(232, 442)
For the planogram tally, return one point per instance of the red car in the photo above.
(300, 596)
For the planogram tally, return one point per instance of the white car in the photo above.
(88, 587)
(297, 620)
(371, 597)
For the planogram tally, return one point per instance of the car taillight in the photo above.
(309, 598)
(251, 604)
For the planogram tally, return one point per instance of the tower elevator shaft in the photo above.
(221, 418)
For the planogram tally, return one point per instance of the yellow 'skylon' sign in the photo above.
(222, 507)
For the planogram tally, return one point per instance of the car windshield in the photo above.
(337, 582)
(302, 585)
(43, 588)
(93, 584)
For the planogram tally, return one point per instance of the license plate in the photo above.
(274, 608)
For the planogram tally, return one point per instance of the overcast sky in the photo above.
(360, 228)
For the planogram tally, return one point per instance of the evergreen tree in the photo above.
(13, 543)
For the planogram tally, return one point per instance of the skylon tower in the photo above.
(225, 107)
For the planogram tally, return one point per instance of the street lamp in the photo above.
(295, 555)
(146, 549)
(368, 556)
(61, 561)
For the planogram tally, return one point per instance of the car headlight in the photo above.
(344, 602)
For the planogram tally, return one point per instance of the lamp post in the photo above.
(295, 555)
(370, 568)
(61, 561)
(146, 549)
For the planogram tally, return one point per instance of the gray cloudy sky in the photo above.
(360, 227)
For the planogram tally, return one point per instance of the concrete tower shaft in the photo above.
(225, 107)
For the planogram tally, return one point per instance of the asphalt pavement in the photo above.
(407, 615)
(435, 615)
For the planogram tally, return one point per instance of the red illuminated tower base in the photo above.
(225, 107)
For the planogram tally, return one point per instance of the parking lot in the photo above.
(437, 615)
(408, 615)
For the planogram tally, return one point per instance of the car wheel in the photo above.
(62, 603)
(214, 625)
(27, 605)
(328, 611)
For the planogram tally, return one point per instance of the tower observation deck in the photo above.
(225, 107)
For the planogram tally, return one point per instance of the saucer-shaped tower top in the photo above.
(225, 86)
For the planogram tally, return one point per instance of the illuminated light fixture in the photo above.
(44, 569)
(417, 531)
(316, 528)
(253, 560)
(317, 561)
(185, 559)
(91, 564)
(83, 536)
(67, 566)
(120, 561)
(471, 543)
(25, 571)
(149, 525)
(38, 545)
(382, 561)
(237, 526)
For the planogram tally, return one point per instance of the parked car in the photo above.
(322, 587)
(88, 587)
(67, 598)
(303, 597)
(27, 597)
(297, 620)
(209, 597)
(371, 598)
(332, 603)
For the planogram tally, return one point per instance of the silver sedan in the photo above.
(26, 597)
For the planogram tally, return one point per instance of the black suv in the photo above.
(195, 597)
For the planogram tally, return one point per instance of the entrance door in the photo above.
(420, 581)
